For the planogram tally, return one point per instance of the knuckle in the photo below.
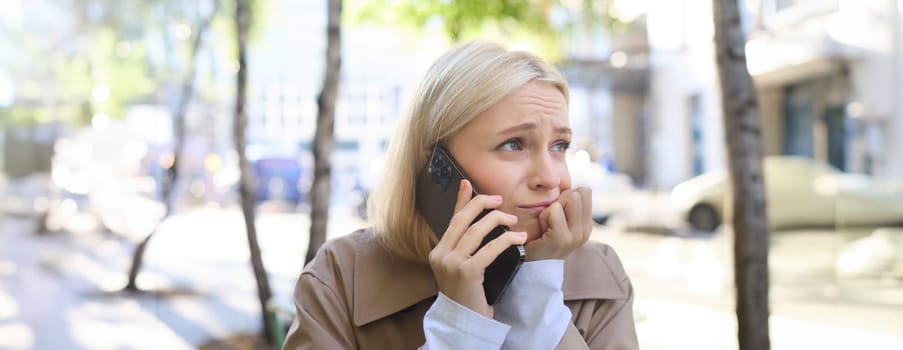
(471, 231)
(456, 218)
(437, 262)
(435, 255)
(447, 263)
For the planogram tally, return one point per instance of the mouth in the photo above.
(536, 208)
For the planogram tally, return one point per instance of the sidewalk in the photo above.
(669, 325)
(56, 290)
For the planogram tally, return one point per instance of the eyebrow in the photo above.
(530, 126)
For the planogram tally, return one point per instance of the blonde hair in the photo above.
(462, 83)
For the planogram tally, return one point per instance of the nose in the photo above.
(544, 173)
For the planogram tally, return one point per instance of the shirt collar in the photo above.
(385, 284)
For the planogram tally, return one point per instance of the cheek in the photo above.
(565, 176)
(494, 180)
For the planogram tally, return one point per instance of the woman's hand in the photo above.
(565, 225)
(457, 264)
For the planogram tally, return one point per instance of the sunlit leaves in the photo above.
(460, 19)
(535, 25)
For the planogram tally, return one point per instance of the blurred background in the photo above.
(97, 96)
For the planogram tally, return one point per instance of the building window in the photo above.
(781, 5)
(696, 133)
(351, 146)
(781, 13)
(799, 120)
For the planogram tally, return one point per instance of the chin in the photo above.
(532, 227)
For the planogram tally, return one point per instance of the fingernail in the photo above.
(461, 184)
(496, 198)
(512, 217)
(521, 234)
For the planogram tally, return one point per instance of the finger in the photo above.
(544, 215)
(452, 261)
(465, 192)
(557, 221)
(464, 217)
(586, 197)
(489, 252)
(544, 219)
(564, 196)
(475, 233)
(574, 212)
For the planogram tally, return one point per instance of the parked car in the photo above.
(364, 183)
(612, 191)
(279, 179)
(800, 192)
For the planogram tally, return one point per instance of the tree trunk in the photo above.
(323, 138)
(172, 174)
(742, 134)
(242, 19)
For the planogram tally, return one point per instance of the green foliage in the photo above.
(118, 72)
(19, 115)
(461, 19)
(527, 23)
(101, 63)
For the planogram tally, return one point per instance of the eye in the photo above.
(561, 146)
(511, 145)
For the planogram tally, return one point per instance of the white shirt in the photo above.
(531, 315)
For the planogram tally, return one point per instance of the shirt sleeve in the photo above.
(449, 325)
(534, 306)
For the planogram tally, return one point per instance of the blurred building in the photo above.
(685, 128)
(26, 148)
(610, 82)
(376, 82)
(827, 73)
(829, 76)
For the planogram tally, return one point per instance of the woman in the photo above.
(503, 116)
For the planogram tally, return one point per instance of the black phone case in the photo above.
(436, 195)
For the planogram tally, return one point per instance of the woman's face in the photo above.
(516, 149)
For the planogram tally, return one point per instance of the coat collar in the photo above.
(385, 284)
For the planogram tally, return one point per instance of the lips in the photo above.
(538, 206)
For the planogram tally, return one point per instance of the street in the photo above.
(685, 293)
(59, 290)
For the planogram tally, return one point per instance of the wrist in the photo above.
(475, 303)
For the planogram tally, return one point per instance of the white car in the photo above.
(611, 191)
(800, 192)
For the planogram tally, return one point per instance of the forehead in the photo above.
(537, 102)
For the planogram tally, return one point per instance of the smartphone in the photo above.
(436, 195)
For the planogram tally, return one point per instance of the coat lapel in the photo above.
(385, 284)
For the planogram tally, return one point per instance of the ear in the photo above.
(427, 152)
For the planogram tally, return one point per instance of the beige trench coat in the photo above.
(357, 295)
